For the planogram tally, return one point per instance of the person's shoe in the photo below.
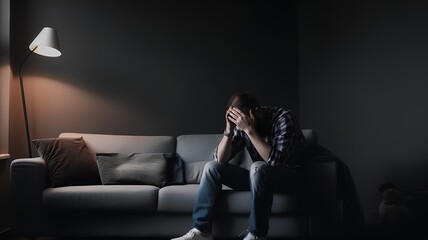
(194, 234)
(251, 236)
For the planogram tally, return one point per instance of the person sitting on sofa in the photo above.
(274, 141)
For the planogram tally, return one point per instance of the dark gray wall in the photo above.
(363, 86)
(150, 67)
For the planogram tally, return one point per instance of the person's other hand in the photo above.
(230, 126)
(243, 121)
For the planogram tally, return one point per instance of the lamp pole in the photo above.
(24, 105)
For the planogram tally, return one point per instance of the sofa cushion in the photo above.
(136, 168)
(181, 199)
(124, 198)
(193, 171)
(177, 198)
(195, 151)
(103, 143)
(69, 161)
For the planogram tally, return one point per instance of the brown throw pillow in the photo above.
(69, 161)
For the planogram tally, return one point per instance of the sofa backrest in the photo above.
(101, 143)
(311, 137)
(195, 151)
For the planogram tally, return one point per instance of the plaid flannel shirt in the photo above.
(285, 138)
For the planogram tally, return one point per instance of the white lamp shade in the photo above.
(46, 43)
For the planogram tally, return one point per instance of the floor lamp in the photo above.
(45, 44)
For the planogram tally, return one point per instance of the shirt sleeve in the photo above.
(283, 142)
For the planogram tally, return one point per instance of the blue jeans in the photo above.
(262, 180)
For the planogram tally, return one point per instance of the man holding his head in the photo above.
(275, 143)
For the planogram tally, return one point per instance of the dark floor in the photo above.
(104, 238)
(8, 236)
(378, 234)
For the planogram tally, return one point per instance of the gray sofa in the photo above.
(149, 211)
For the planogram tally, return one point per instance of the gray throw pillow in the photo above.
(69, 161)
(136, 168)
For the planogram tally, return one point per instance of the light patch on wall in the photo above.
(55, 106)
(5, 73)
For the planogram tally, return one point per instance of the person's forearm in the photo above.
(224, 149)
(262, 147)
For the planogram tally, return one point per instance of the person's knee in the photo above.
(211, 165)
(212, 170)
(259, 167)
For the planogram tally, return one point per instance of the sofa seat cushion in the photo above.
(181, 199)
(177, 198)
(124, 198)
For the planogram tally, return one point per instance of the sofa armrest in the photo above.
(28, 180)
(323, 197)
(322, 171)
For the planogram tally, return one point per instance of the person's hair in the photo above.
(243, 100)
